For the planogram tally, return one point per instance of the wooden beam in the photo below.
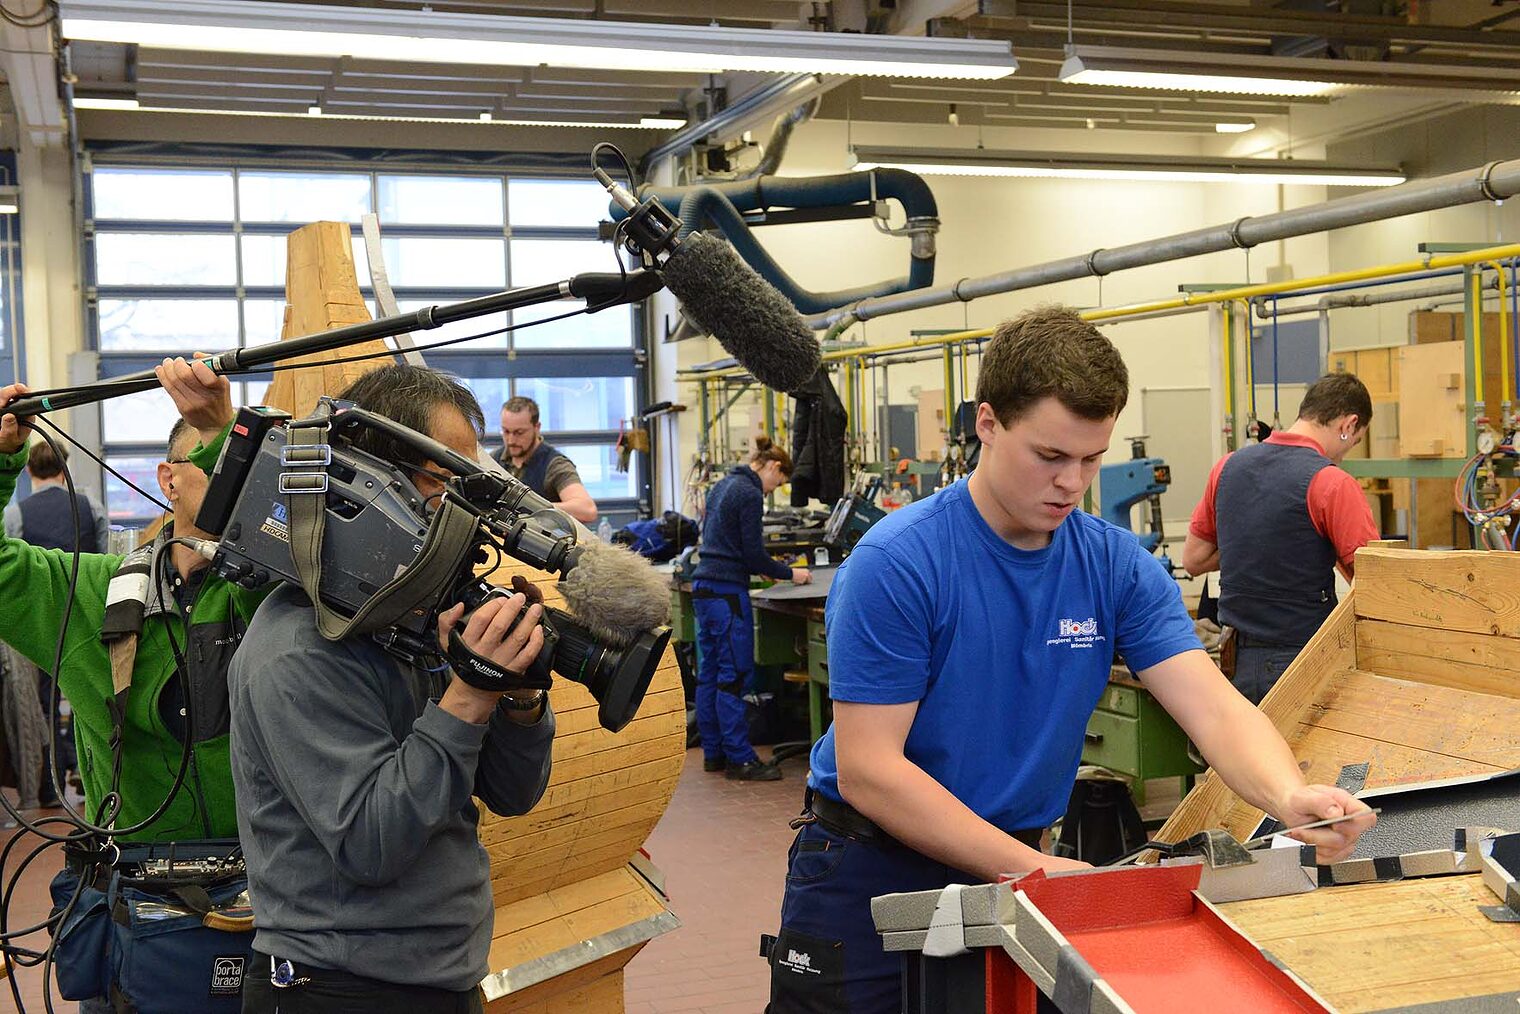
(1448, 658)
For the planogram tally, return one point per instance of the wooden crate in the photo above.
(1418, 673)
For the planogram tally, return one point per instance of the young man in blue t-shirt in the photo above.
(970, 637)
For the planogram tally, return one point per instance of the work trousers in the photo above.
(332, 992)
(1259, 665)
(828, 957)
(726, 640)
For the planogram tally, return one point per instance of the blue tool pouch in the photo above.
(170, 938)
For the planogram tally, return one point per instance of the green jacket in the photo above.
(34, 585)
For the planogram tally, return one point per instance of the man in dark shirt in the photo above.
(543, 468)
(354, 773)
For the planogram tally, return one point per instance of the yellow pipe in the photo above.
(1505, 377)
(1475, 329)
(1229, 367)
(1194, 300)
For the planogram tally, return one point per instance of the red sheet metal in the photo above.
(1159, 946)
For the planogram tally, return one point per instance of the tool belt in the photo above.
(154, 928)
(842, 819)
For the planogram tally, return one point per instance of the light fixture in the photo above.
(646, 123)
(663, 122)
(1150, 168)
(101, 102)
(429, 36)
(1234, 126)
(1179, 70)
(10, 200)
(485, 116)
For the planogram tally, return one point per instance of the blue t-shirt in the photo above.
(1005, 650)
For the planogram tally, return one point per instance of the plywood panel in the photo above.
(1432, 401)
(595, 987)
(1372, 946)
(1477, 592)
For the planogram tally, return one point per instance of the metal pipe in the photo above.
(1372, 283)
(1343, 300)
(1493, 182)
(786, 92)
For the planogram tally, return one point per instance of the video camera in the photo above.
(295, 500)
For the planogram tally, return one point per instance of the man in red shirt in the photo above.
(1275, 520)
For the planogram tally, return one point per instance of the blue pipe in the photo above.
(1514, 324)
(723, 204)
(1276, 414)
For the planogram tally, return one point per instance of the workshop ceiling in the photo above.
(1471, 33)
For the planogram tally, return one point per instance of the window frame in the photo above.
(505, 363)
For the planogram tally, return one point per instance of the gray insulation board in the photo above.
(1422, 818)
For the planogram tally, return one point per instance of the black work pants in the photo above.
(331, 992)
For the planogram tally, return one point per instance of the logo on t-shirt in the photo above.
(1077, 633)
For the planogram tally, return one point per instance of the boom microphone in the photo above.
(749, 316)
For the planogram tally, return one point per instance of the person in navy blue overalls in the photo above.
(732, 549)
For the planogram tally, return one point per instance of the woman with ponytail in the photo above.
(732, 549)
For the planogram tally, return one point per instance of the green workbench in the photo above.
(1131, 734)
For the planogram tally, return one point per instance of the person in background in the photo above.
(732, 548)
(543, 469)
(1275, 520)
(46, 519)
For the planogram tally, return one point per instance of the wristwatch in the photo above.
(526, 705)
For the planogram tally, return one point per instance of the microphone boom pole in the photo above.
(598, 288)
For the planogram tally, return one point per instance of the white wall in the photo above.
(993, 225)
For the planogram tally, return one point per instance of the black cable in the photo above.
(155, 501)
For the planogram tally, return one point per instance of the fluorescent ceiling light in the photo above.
(1147, 168)
(426, 36)
(88, 102)
(1168, 69)
(647, 123)
(1234, 126)
(664, 122)
(10, 200)
(485, 116)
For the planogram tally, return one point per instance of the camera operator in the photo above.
(370, 888)
(171, 587)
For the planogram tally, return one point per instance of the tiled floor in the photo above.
(722, 846)
(29, 906)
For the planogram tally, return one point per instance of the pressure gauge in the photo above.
(1486, 442)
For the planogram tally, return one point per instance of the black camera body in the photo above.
(375, 525)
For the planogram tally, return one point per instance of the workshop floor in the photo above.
(722, 847)
(29, 906)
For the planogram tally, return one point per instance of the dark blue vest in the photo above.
(47, 521)
(536, 470)
(1276, 572)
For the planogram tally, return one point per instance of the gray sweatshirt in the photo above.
(354, 803)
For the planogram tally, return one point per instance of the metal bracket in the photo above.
(303, 482)
(305, 454)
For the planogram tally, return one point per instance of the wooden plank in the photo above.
(1447, 658)
(671, 741)
(1428, 719)
(570, 898)
(508, 950)
(1333, 647)
(1373, 946)
(1476, 592)
(524, 851)
(597, 986)
(1432, 400)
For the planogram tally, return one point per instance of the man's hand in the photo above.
(204, 398)
(801, 575)
(13, 435)
(1321, 802)
(493, 632)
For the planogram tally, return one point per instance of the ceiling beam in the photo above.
(31, 73)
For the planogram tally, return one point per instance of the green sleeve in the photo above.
(204, 456)
(34, 587)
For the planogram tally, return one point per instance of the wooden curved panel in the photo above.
(606, 792)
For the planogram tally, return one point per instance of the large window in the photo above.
(194, 259)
